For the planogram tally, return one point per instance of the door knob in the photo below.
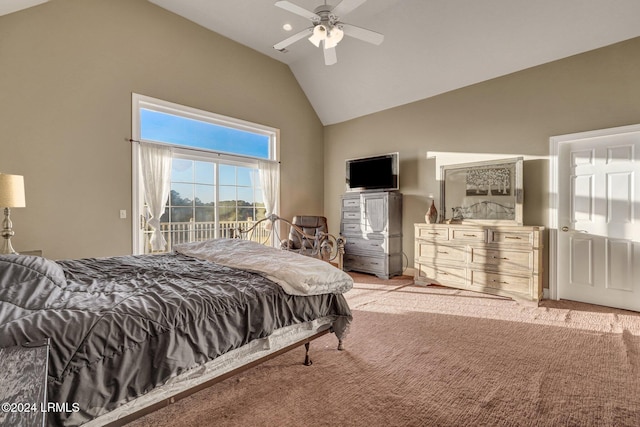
(565, 228)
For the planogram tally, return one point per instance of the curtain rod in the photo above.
(202, 150)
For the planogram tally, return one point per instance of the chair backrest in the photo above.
(310, 225)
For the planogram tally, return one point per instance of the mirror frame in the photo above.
(453, 207)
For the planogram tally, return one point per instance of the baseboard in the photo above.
(409, 271)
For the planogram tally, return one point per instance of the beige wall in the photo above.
(514, 115)
(67, 71)
(68, 68)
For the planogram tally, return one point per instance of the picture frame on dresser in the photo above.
(487, 192)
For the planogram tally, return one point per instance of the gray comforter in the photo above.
(121, 326)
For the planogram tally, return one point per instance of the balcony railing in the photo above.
(192, 231)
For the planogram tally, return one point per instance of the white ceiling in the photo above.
(10, 6)
(430, 46)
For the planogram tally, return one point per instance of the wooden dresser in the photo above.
(371, 222)
(502, 260)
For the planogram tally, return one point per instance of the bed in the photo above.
(129, 334)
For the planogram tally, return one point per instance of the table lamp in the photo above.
(11, 196)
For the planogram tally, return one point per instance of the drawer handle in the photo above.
(443, 252)
(513, 237)
(469, 235)
(497, 257)
(498, 281)
(434, 234)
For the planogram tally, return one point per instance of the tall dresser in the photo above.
(502, 260)
(371, 222)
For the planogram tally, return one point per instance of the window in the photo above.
(214, 179)
(198, 133)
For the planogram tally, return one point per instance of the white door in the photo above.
(598, 237)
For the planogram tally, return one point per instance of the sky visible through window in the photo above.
(163, 127)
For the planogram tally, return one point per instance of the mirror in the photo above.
(482, 192)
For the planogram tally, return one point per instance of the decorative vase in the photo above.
(431, 216)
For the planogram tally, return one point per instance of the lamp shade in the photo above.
(334, 35)
(12, 191)
(319, 34)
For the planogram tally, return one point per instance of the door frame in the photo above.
(554, 148)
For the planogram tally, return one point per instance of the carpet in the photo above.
(434, 356)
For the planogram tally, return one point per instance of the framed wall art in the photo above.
(483, 192)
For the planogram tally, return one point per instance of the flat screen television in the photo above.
(373, 173)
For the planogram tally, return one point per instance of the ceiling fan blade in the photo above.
(330, 56)
(294, 38)
(362, 34)
(346, 6)
(288, 6)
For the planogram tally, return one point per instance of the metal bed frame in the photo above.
(322, 245)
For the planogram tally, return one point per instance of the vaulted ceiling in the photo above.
(10, 6)
(430, 46)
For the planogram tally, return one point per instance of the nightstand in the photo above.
(23, 375)
(37, 252)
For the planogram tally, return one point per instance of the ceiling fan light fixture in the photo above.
(319, 34)
(334, 35)
(327, 27)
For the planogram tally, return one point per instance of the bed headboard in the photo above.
(322, 245)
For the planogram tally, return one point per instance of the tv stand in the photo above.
(371, 222)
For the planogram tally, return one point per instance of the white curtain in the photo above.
(269, 172)
(155, 164)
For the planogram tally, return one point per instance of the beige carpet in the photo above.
(432, 356)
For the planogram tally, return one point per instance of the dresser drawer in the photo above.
(440, 275)
(355, 245)
(365, 263)
(467, 235)
(351, 203)
(389, 245)
(502, 259)
(431, 252)
(511, 237)
(500, 282)
(351, 228)
(432, 233)
(351, 216)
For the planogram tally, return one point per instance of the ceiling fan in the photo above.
(327, 28)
